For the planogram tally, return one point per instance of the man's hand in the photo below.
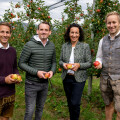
(41, 74)
(9, 80)
(51, 74)
(99, 66)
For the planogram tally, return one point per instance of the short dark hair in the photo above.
(67, 37)
(44, 22)
(7, 24)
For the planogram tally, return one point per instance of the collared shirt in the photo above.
(36, 37)
(99, 52)
(2, 47)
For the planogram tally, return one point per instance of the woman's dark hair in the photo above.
(67, 37)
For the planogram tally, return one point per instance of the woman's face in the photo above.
(74, 34)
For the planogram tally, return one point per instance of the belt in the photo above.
(70, 74)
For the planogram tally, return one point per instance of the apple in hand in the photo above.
(14, 76)
(19, 78)
(96, 63)
(69, 66)
(47, 75)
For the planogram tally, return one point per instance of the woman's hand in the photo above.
(64, 65)
(75, 67)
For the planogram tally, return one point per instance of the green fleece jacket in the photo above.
(35, 57)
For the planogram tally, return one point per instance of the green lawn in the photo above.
(92, 106)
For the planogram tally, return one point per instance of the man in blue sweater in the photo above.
(8, 66)
(37, 58)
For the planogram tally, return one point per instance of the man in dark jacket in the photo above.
(8, 66)
(38, 57)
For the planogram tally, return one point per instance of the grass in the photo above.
(92, 106)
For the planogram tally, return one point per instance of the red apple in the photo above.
(59, 69)
(28, 5)
(39, 8)
(81, 14)
(14, 76)
(28, 14)
(96, 63)
(98, 10)
(69, 66)
(92, 50)
(71, 9)
(101, 1)
(47, 75)
(11, 14)
(19, 78)
(16, 6)
(49, 17)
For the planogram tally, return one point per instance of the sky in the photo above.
(54, 13)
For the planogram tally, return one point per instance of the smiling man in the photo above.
(38, 57)
(109, 57)
(8, 66)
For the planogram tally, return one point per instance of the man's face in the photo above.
(113, 24)
(44, 31)
(4, 34)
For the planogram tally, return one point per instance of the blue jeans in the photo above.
(35, 94)
(73, 91)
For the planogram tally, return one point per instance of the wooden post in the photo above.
(90, 84)
(91, 77)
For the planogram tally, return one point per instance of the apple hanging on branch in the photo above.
(59, 69)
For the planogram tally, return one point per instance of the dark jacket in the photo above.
(35, 57)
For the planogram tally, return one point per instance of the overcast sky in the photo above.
(54, 13)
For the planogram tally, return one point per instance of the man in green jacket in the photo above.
(38, 57)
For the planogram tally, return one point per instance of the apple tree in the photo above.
(23, 17)
(95, 26)
(72, 13)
